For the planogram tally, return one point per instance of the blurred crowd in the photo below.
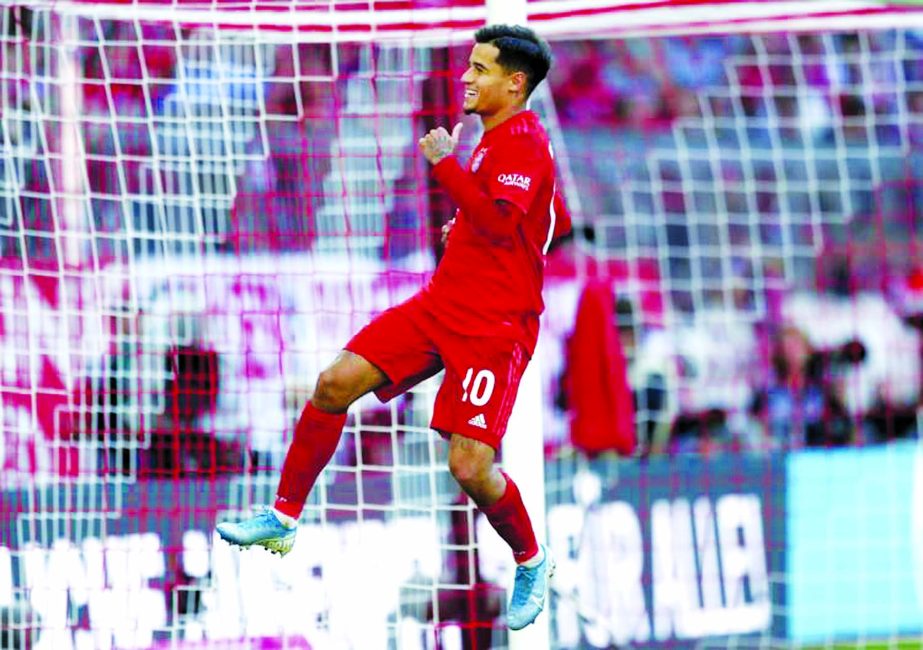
(807, 330)
(834, 370)
(648, 84)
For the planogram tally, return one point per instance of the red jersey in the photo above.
(489, 282)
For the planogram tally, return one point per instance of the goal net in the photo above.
(201, 202)
(195, 218)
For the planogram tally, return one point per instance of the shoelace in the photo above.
(525, 576)
(258, 520)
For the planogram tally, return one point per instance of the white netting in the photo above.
(199, 203)
(195, 220)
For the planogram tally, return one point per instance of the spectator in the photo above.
(648, 375)
(799, 406)
(889, 372)
(890, 419)
(179, 444)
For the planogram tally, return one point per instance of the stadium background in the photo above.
(199, 204)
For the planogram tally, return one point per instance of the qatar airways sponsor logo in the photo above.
(515, 180)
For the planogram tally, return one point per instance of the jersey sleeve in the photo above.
(483, 210)
(517, 172)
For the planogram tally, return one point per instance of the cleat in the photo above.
(262, 530)
(530, 591)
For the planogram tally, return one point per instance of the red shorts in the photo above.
(481, 374)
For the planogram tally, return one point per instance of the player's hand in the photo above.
(447, 230)
(439, 144)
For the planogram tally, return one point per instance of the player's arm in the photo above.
(497, 216)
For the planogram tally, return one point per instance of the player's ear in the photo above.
(518, 83)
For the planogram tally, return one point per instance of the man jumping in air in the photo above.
(478, 317)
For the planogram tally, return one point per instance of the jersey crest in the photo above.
(478, 159)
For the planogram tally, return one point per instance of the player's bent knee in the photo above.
(468, 469)
(460, 469)
(333, 392)
(344, 381)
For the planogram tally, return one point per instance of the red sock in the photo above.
(509, 518)
(316, 436)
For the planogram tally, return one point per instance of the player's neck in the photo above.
(496, 119)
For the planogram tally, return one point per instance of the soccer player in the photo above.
(478, 317)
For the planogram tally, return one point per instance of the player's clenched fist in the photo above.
(447, 230)
(438, 143)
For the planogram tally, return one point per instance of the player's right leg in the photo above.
(389, 355)
(317, 434)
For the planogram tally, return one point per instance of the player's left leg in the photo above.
(496, 495)
(474, 404)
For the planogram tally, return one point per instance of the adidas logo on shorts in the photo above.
(478, 421)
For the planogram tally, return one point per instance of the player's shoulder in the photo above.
(527, 138)
(527, 128)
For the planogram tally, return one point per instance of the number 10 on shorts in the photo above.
(481, 389)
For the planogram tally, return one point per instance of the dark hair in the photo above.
(521, 49)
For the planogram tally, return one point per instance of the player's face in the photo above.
(488, 87)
